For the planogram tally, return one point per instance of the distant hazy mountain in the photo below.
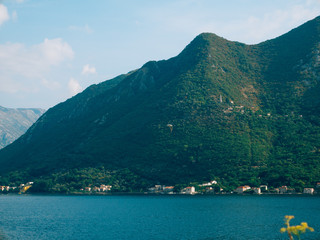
(243, 114)
(15, 122)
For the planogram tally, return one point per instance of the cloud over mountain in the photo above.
(24, 66)
(88, 70)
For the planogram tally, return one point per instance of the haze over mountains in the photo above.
(15, 122)
(243, 114)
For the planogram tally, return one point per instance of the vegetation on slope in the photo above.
(219, 110)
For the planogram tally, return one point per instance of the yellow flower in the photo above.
(301, 229)
(305, 226)
(283, 230)
(295, 230)
(287, 219)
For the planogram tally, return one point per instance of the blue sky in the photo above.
(52, 49)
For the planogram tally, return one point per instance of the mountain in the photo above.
(15, 122)
(241, 114)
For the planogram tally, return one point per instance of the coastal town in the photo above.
(22, 188)
(211, 187)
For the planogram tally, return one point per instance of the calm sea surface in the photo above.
(154, 217)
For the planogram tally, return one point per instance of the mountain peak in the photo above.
(205, 40)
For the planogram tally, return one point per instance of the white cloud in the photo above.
(24, 68)
(55, 50)
(88, 70)
(74, 86)
(4, 15)
(271, 24)
(85, 28)
(274, 23)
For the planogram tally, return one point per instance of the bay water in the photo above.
(31, 217)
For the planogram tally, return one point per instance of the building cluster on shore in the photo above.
(101, 188)
(191, 190)
(21, 189)
(212, 187)
(279, 190)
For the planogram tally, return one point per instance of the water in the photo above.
(154, 217)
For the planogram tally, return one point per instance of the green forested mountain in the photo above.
(243, 114)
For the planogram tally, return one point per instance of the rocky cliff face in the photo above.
(15, 122)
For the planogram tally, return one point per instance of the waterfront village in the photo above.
(23, 188)
(211, 187)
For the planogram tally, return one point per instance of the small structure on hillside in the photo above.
(188, 190)
(4, 188)
(105, 188)
(256, 190)
(208, 183)
(308, 190)
(283, 189)
(168, 190)
(242, 189)
(264, 188)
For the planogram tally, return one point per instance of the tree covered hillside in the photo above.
(243, 114)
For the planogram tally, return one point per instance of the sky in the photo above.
(51, 50)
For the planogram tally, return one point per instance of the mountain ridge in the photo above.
(220, 109)
(15, 122)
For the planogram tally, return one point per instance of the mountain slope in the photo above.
(15, 122)
(220, 109)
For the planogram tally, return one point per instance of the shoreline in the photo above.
(155, 194)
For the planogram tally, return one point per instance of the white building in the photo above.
(208, 184)
(308, 190)
(105, 188)
(188, 190)
(256, 190)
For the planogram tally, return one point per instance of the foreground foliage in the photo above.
(295, 230)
